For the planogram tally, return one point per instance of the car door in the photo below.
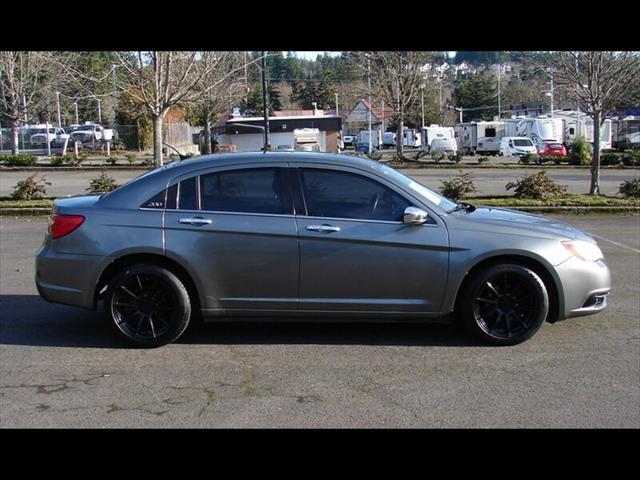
(355, 252)
(234, 226)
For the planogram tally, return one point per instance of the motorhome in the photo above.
(444, 138)
(306, 139)
(479, 137)
(541, 130)
(579, 124)
(625, 130)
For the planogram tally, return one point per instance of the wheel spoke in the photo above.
(139, 284)
(139, 326)
(495, 324)
(493, 289)
(153, 330)
(487, 300)
(130, 305)
(508, 324)
(129, 292)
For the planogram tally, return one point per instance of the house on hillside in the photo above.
(358, 117)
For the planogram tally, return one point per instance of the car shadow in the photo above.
(29, 320)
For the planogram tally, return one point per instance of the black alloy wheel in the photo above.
(148, 305)
(505, 304)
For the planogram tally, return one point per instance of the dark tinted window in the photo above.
(172, 197)
(329, 193)
(490, 132)
(187, 195)
(256, 190)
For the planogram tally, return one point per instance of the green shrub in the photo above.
(374, 155)
(580, 152)
(30, 188)
(631, 157)
(542, 159)
(102, 184)
(147, 161)
(482, 160)
(66, 159)
(630, 187)
(131, 158)
(536, 186)
(437, 156)
(111, 160)
(458, 187)
(456, 157)
(611, 159)
(19, 160)
(527, 159)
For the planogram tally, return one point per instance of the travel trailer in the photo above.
(584, 129)
(388, 139)
(541, 130)
(306, 139)
(479, 137)
(411, 138)
(444, 138)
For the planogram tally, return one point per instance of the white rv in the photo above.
(584, 129)
(410, 137)
(306, 139)
(388, 139)
(444, 138)
(479, 137)
(541, 130)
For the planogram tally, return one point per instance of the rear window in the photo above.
(522, 143)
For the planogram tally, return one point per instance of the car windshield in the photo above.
(522, 143)
(417, 188)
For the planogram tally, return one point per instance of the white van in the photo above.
(444, 144)
(516, 146)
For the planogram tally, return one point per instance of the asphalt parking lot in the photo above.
(63, 367)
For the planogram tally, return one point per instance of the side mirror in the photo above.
(414, 216)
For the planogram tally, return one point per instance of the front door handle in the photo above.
(195, 221)
(323, 228)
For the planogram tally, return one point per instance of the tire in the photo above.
(147, 305)
(504, 304)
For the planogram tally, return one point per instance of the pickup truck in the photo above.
(90, 133)
(40, 134)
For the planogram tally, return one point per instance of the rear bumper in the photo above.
(67, 278)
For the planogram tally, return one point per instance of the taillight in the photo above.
(61, 225)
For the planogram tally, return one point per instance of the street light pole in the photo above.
(75, 107)
(58, 105)
(99, 113)
(499, 99)
(265, 104)
(422, 101)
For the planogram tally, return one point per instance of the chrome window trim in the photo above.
(366, 220)
(216, 212)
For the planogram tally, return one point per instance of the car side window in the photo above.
(331, 193)
(164, 199)
(253, 190)
(187, 195)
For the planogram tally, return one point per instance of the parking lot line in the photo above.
(615, 243)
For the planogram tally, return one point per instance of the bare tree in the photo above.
(398, 77)
(21, 76)
(160, 80)
(227, 88)
(601, 81)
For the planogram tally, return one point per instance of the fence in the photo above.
(125, 137)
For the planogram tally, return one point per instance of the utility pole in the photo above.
(58, 105)
(75, 107)
(499, 103)
(422, 102)
(99, 113)
(265, 104)
(337, 104)
(577, 102)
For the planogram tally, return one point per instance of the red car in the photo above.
(557, 149)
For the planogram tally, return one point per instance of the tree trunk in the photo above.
(206, 147)
(14, 137)
(595, 161)
(400, 136)
(157, 139)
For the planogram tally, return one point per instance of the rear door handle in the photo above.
(323, 228)
(196, 221)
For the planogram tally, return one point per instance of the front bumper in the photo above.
(585, 285)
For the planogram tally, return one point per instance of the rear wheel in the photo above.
(148, 305)
(504, 304)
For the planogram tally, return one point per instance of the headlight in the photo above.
(589, 252)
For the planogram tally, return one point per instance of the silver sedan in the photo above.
(311, 235)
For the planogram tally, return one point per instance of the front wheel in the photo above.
(148, 305)
(504, 304)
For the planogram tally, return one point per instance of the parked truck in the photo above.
(479, 137)
(376, 137)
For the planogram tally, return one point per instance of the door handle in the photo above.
(195, 221)
(323, 228)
